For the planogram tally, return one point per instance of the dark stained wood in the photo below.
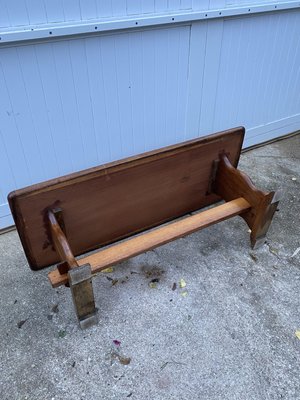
(79, 278)
(157, 237)
(105, 204)
(264, 214)
(60, 242)
(231, 183)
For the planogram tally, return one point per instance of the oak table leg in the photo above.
(231, 183)
(79, 277)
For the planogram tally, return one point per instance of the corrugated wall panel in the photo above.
(37, 12)
(257, 79)
(69, 104)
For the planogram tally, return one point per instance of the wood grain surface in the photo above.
(107, 203)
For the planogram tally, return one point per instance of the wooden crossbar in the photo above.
(157, 237)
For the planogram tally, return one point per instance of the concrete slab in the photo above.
(230, 336)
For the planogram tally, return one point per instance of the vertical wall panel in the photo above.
(88, 9)
(292, 94)
(11, 139)
(197, 51)
(161, 5)
(8, 180)
(36, 12)
(98, 98)
(124, 83)
(54, 103)
(108, 59)
(185, 4)
(148, 6)
(55, 11)
(4, 17)
(172, 84)
(210, 75)
(290, 46)
(17, 12)
(137, 90)
(148, 78)
(83, 99)
(74, 103)
(200, 5)
(118, 8)
(38, 111)
(259, 60)
(183, 52)
(67, 97)
(134, 7)
(174, 4)
(72, 10)
(160, 83)
(104, 8)
(14, 78)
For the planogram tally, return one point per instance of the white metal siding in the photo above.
(259, 76)
(69, 104)
(35, 12)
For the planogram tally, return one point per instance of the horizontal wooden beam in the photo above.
(154, 238)
(69, 30)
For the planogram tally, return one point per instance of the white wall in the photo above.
(72, 103)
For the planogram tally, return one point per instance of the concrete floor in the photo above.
(230, 336)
